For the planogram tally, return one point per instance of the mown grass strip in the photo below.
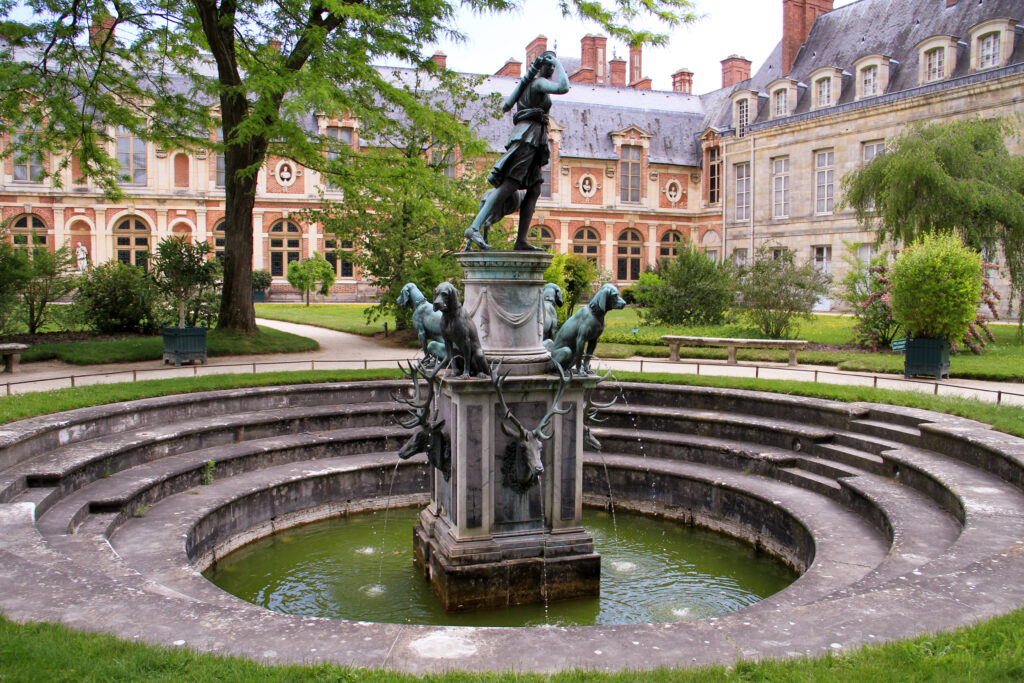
(349, 318)
(136, 349)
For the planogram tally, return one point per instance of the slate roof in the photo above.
(888, 27)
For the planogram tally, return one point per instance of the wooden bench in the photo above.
(675, 341)
(11, 354)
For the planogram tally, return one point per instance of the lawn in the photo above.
(342, 317)
(990, 651)
(134, 349)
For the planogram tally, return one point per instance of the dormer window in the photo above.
(744, 110)
(825, 85)
(988, 52)
(935, 64)
(781, 106)
(869, 81)
(823, 91)
(936, 59)
(991, 43)
(742, 115)
(872, 76)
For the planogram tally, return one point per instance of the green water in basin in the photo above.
(652, 570)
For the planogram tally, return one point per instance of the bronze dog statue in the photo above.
(574, 344)
(461, 341)
(552, 299)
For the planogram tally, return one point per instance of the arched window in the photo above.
(630, 250)
(182, 230)
(285, 241)
(670, 242)
(131, 241)
(542, 236)
(339, 257)
(709, 243)
(586, 243)
(28, 231)
(220, 241)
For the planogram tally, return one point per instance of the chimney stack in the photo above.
(513, 67)
(440, 58)
(682, 81)
(636, 70)
(536, 48)
(734, 70)
(102, 26)
(797, 19)
(617, 72)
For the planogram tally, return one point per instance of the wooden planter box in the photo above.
(184, 344)
(927, 357)
(259, 296)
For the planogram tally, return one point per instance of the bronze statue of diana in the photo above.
(516, 177)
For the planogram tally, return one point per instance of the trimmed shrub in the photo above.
(691, 289)
(117, 297)
(936, 288)
(777, 292)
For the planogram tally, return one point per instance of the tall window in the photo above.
(131, 155)
(869, 81)
(338, 137)
(742, 191)
(872, 149)
(219, 241)
(934, 64)
(630, 250)
(285, 241)
(586, 243)
(988, 51)
(28, 168)
(670, 242)
(221, 165)
(714, 175)
(542, 236)
(742, 115)
(339, 258)
(781, 102)
(545, 188)
(739, 256)
(823, 91)
(629, 173)
(824, 179)
(28, 231)
(131, 242)
(823, 259)
(780, 187)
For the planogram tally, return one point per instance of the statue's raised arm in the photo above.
(517, 177)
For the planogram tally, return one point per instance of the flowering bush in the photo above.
(865, 288)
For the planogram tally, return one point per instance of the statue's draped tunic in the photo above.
(527, 149)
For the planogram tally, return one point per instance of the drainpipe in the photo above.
(753, 201)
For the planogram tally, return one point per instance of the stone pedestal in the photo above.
(485, 541)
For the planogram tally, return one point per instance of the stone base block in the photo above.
(506, 582)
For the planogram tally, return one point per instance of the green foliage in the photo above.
(183, 271)
(52, 275)
(306, 274)
(944, 177)
(576, 276)
(261, 280)
(865, 289)
(691, 289)
(777, 292)
(936, 287)
(118, 297)
(15, 272)
(209, 468)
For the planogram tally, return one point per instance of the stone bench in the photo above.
(792, 345)
(12, 354)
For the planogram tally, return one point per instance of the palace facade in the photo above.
(634, 171)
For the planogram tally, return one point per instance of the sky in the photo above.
(749, 28)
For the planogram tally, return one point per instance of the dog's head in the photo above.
(553, 293)
(406, 297)
(446, 298)
(607, 299)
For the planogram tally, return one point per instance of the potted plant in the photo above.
(935, 296)
(183, 271)
(261, 281)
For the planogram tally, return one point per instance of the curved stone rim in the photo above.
(84, 585)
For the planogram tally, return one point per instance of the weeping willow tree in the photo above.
(957, 176)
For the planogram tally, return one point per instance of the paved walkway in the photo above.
(341, 350)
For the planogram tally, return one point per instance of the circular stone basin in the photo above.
(360, 568)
